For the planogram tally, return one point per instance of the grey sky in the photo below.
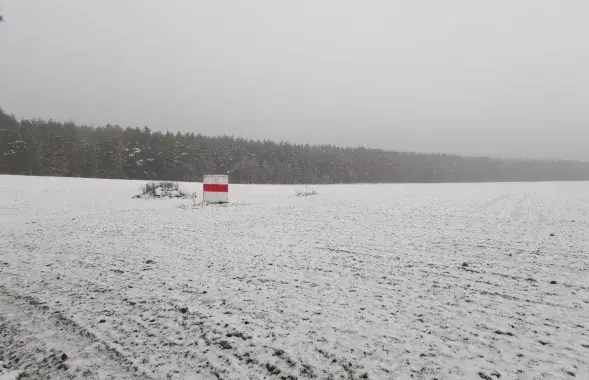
(497, 77)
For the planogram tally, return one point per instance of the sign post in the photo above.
(215, 188)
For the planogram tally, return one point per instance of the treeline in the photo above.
(49, 148)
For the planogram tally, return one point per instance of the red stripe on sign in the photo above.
(215, 188)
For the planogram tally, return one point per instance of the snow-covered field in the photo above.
(446, 281)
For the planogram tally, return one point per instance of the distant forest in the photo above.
(49, 148)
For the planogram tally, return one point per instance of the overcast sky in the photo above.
(501, 77)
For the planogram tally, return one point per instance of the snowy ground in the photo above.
(361, 281)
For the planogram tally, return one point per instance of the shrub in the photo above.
(162, 189)
(306, 193)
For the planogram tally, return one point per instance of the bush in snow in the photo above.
(306, 193)
(162, 189)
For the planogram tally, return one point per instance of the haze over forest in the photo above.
(500, 78)
(37, 147)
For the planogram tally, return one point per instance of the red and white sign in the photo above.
(215, 188)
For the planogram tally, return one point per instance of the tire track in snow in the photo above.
(15, 308)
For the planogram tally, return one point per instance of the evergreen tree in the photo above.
(36, 147)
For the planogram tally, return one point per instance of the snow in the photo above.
(416, 281)
(13, 375)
